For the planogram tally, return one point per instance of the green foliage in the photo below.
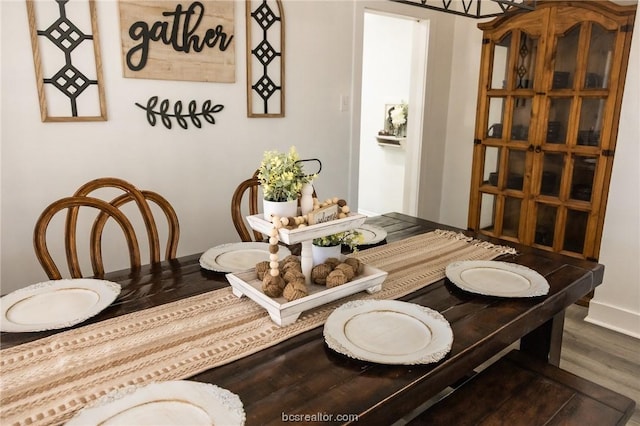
(281, 175)
(350, 238)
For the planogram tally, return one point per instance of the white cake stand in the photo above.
(306, 234)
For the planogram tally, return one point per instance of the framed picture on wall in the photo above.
(265, 58)
(66, 55)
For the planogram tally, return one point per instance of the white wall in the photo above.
(461, 123)
(195, 169)
(617, 302)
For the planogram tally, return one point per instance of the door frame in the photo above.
(411, 189)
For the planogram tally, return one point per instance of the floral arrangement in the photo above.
(281, 175)
(351, 238)
(397, 118)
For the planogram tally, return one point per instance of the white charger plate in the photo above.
(371, 234)
(494, 278)
(388, 332)
(178, 402)
(237, 257)
(55, 304)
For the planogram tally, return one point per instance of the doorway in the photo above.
(394, 63)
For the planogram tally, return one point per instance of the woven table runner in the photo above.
(47, 381)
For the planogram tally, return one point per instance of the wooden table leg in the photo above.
(545, 342)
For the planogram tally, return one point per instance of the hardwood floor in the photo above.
(603, 356)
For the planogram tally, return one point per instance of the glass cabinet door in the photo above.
(590, 124)
(576, 102)
(546, 216)
(582, 177)
(549, 92)
(496, 118)
(526, 62)
(506, 133)
(500, 68)
(601, 44)
(521, 118)
(552, 170)
(558, 122)
(565, 59)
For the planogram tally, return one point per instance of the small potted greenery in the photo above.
(281, 178)
(331, 245)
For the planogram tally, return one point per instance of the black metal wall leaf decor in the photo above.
(180, 114)
(265, 58)
(66, 55)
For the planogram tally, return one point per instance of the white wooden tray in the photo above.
(283, 312)
(306, 233)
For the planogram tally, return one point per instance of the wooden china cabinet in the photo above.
(551, 85)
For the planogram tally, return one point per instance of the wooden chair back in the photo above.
(251, 186)
(106, 210)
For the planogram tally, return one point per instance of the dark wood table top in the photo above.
(302, 376)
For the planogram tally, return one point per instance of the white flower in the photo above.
(398, 115)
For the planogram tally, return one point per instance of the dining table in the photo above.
(296, 376)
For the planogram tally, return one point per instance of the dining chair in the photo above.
(250, 186)
(110, 209)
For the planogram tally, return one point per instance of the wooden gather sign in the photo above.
(178, 40)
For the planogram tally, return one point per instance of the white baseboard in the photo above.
(614, 318)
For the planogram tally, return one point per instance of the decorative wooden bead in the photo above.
(284, 221)
(274, 272)
(274, 264)
(342, 203)
(345, 209)
(273, 240)
(273, 232)
(334, 200)
(273, 257)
